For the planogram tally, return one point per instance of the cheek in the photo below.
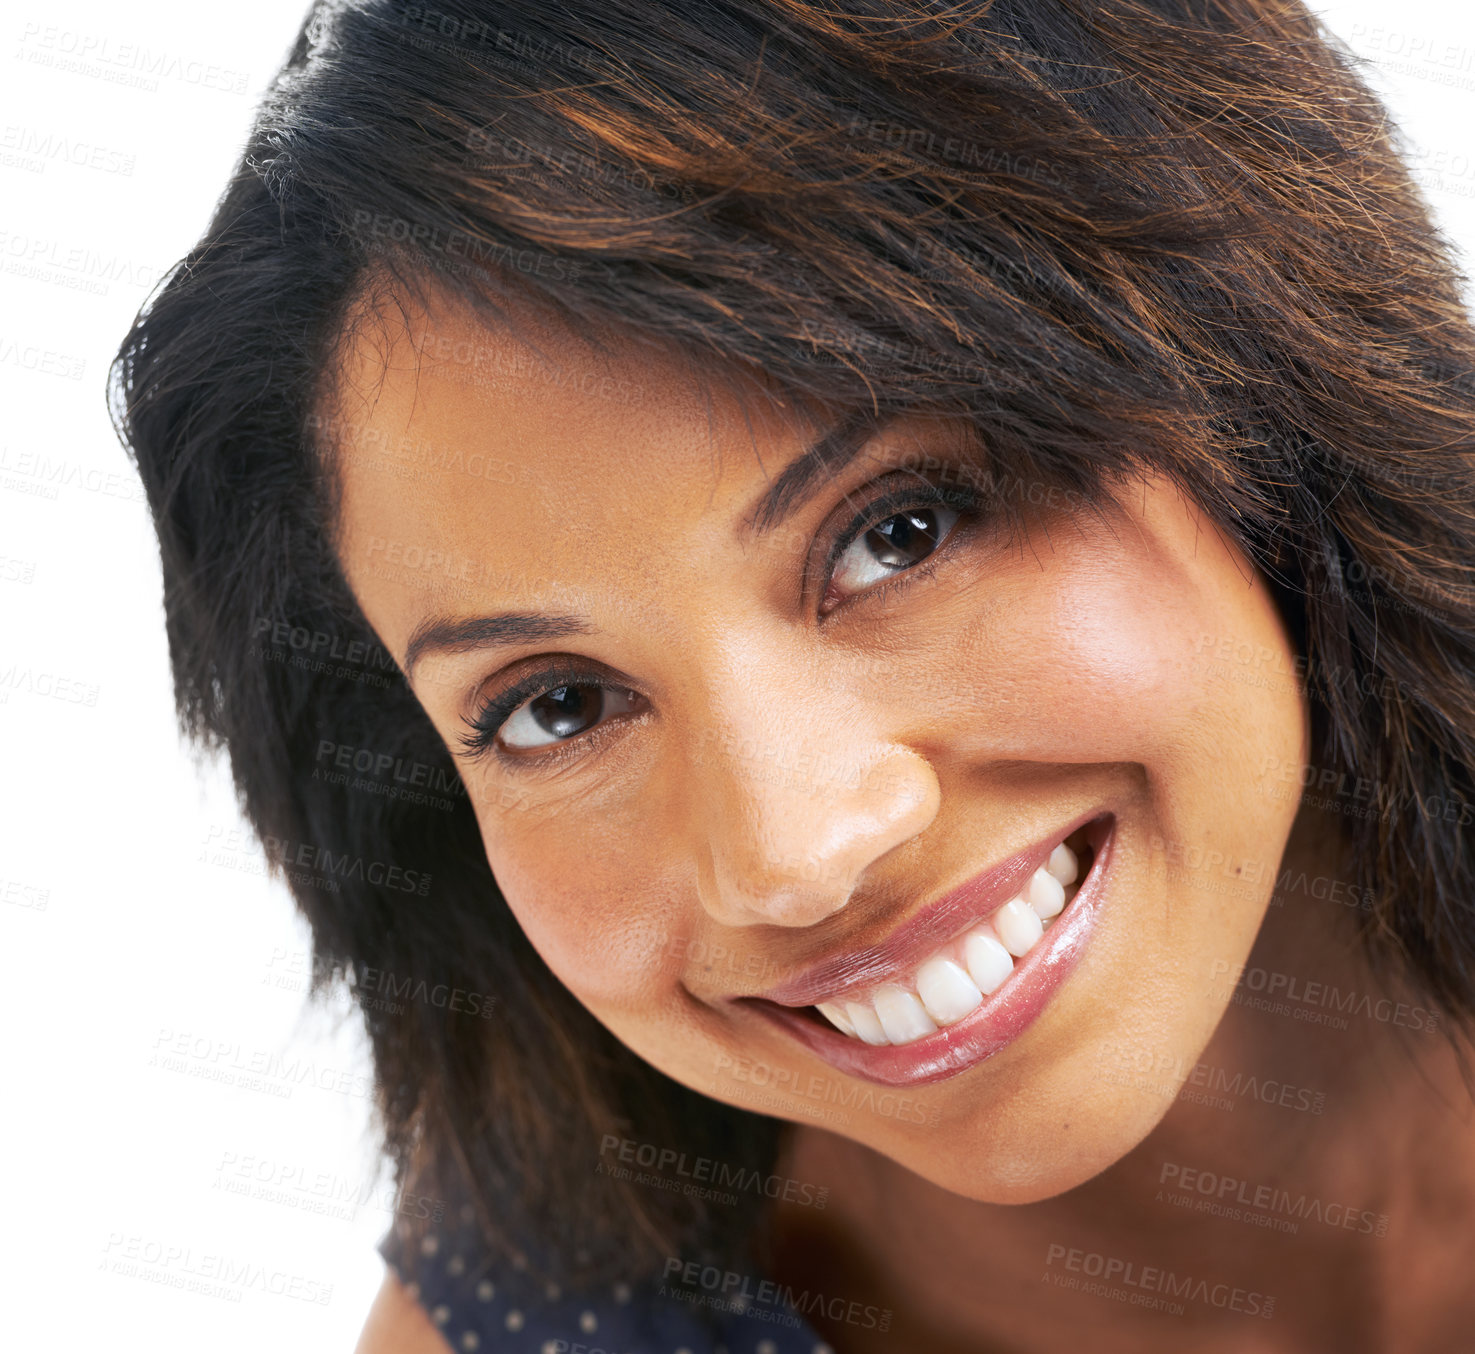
(1091, 651)
(1124, 678)
(581, 897)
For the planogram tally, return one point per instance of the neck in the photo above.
(1311, 1185)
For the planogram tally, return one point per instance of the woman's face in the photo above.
(733, 768)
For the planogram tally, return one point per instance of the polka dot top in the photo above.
(481, 1304)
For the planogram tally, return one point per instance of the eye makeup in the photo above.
(905, 499)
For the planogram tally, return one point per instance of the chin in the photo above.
(1035, 1156)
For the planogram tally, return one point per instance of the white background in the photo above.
(135, 917)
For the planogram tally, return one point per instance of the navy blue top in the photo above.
(478, 1303)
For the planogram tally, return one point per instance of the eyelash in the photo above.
(496, 710)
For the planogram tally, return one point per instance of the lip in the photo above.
(1004, 1015)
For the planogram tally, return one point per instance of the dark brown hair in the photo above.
(1112, 234)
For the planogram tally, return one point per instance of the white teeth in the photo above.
(902, 1016)
(863, 1017)
(837, 1017)
(1045, 894)
(1063, 865)
(988, 962)
(1018, 926)
(947, 991)
(954, 982)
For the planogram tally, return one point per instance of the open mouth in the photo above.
(972, 977)
(961, 975)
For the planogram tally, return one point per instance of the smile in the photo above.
(956, 979)
(961, 979)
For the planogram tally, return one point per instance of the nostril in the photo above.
(796, 906)
(789, 842)
(747, 901)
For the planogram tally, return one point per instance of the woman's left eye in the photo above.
(879, 547)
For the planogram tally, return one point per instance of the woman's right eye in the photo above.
(535, 718)
(563, 713)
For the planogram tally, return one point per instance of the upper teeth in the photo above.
(955, 980)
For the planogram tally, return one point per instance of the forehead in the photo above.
(476, 457)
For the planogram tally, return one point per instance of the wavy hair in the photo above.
(1114, 235)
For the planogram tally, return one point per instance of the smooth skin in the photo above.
(787, 766)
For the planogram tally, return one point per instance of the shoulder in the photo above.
(449, 1291)
(397, 1324)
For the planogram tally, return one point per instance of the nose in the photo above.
(797, 795)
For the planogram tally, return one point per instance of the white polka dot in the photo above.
(441, 1315)
(514, 1319)
(485, 1291)
(456, 1265)
(413, 1290)
(622, 1293)
(552, 1291)
(470, 1340)
(588, 1323)
(766, 1347)
(823, 1349)
(550, 1347)
(429, 1245)
(683, 1350)
(519, 1262)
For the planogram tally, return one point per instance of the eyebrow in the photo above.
(800, 479)
(444, 634)
(795, 485)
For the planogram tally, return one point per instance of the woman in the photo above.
(854, 629)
